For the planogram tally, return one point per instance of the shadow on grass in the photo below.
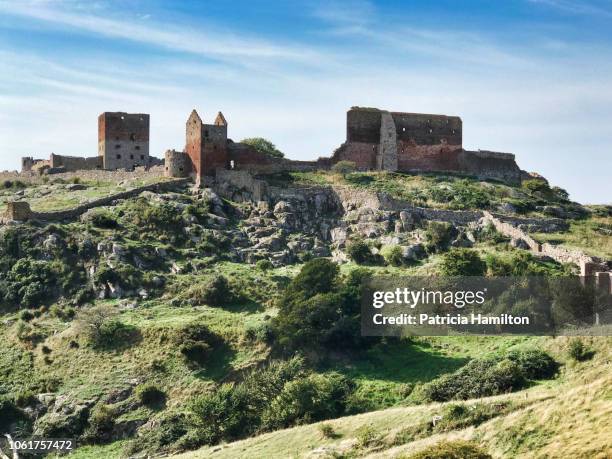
(244, 305)
(218, 364)
(400, 363)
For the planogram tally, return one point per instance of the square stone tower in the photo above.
(123, 140)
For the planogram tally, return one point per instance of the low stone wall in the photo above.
(20, 210)
(138, 173)
(588, 265)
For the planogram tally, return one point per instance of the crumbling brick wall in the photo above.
(123, 140)
(74, 163)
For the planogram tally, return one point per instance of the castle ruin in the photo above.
(375, 140)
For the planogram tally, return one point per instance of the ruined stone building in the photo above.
(123, 140)
(375, 140)
(416, 142)
(207, 148)
(123, 143)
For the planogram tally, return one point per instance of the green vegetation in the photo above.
(263, 146)
(462, 262)
(143, 319)
(344, 167)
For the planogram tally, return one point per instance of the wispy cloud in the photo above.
(215, 44)
(354, 13)
(582, 7)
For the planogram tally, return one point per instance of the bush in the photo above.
(462, 262)
(534, 364)
(393, 255)
(359, 251)
(438, 235)
(264, 265)
(457, 449)
(150, 395)
(327, 431)
(213, 291)
(196, 342)
(101, 423)
(479, 378)
(100, 327)
(26, 315)
(235, 411)
(307, 400)
(103, 220)
(263, 146)
(577, 351)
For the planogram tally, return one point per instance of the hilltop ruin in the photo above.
(375, 140)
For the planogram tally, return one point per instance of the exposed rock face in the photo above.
(64, 418)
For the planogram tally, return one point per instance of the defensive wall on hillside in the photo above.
(21, 211)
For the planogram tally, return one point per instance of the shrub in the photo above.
(26, 315)
(457, 449)
(196, 342)
(344, 167)
(25, 398)
(101, 328)
(368, 436)
(438, 235)
(462, 262)
(214, 291)
(307, 400)
(534, 364)
(359, 251)
(235, 411)
(577, 351)
(264, 265)
(479, 378)
(263, 146)
(101, 423)
(149, 394)
(535, 185)
(327, 431)
(393, 255)
(103, 220)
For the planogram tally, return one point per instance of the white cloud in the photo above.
(548, 104)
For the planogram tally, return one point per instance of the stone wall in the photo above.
(387, 154)
(588, 265)
(139, 173)
(17, 210)
(491, 165)
(75, 163)
(20, 210)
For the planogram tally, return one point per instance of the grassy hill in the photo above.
(140, 325)
(547, 420)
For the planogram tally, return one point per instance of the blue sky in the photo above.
(532, 77)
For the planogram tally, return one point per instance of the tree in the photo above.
(344, 167)
(263, 146)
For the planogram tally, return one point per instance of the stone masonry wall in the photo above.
(387, 155)
(123, 140)
(20, 210)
